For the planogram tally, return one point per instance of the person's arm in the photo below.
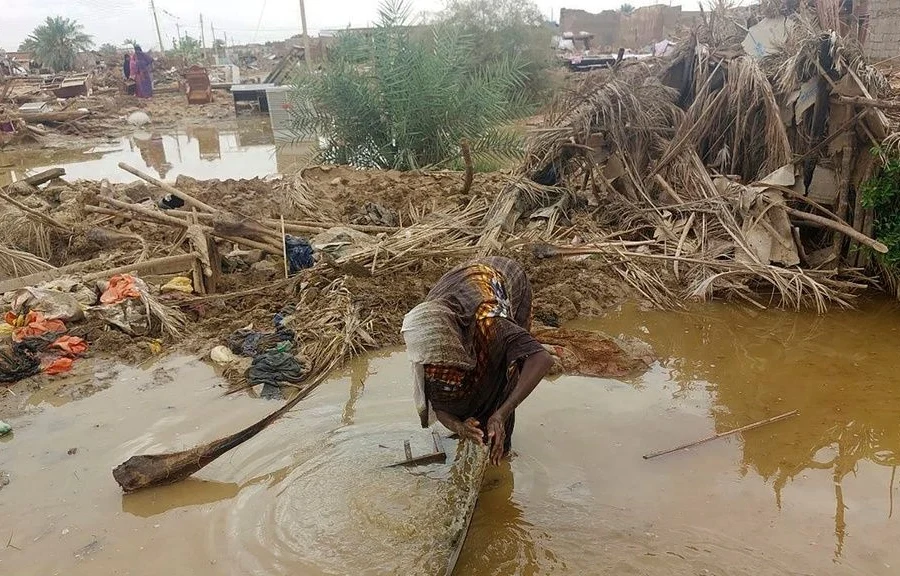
(533, 371)
(468, 429)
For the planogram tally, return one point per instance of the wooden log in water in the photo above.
(146, 470)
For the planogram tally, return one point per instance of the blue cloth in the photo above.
(299, 253)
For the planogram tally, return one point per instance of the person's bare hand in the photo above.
(470, 429)
(496, 433)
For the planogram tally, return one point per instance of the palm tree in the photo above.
(626, 8)
(56, 42)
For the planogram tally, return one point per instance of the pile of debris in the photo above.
(731, 170)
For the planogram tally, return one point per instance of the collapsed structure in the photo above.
(732, 170)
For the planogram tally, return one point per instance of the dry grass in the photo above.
(19, 230)
(15, 263)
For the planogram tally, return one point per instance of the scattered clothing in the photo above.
(58, 366)
(468, 339)
(247, 342)
(36, 325)
(170, 202)
(130, 316)
(179, 284)
(299, 253)
(121, 287)
(272, 368)
(17, 364)
(222, 355)
(4, 428)
(71, 345)
(53, 304)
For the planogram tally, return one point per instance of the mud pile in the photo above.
(380, 240)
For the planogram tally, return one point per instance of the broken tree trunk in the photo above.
(843, 206)
(146, 470)
(164, 265)
(141, 213)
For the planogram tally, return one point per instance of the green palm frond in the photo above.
(56, 42)
(405, 99)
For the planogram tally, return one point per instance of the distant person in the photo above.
(126, 66)
(141, 69)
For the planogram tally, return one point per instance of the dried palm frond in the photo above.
(15, 263)
(296, 195)
(19, 230)
(743, 117)
(828, 13)
(171, 321)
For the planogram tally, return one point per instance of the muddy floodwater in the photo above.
(245, 150)
(810, 495)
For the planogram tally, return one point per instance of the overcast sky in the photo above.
(243, 20)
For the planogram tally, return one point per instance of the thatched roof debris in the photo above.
(715, 164)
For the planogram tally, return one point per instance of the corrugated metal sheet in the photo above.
(280, 112)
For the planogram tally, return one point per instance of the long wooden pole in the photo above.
(771, 420)
(307, 53)
(188, 199)
(162, 47)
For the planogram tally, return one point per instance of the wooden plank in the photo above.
(166, 265)
(45, 176)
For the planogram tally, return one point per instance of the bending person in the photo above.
(474, 360)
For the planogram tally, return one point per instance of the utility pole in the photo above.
(202, 34)
(307, 53)
(178, 29)
(162, 47)
(212, 30)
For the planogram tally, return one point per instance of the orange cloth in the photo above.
(121, 287)
(58, 366)
(72, 345)
(37, 325)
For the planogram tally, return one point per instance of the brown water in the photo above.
(204, 152)
(813, 495)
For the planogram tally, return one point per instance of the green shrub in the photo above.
(881, 193)
(404, 98)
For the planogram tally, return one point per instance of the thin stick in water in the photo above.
(771, 420)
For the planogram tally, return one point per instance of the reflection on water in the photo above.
(839, 370)
(312, 495)
(202, 152)
(191, 492)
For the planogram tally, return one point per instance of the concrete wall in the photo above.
(613, 30)
(883, 37)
